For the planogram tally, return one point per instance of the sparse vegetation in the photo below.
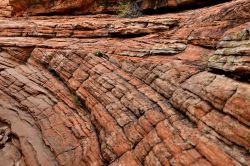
(55, 74)
(98, 53)
(124, 8)
(129, 9)
(76, 100)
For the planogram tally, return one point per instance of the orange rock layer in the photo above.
(169, 89)
(38, 7)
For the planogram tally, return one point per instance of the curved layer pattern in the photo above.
(171, 89)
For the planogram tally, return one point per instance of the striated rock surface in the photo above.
(170, 89)
(36, 7)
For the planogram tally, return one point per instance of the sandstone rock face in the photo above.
(151, 4)
(5, 8)
(36, 7)
(169, 89)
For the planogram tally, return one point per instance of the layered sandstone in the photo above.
(5, 8)
(37, 7)
(169, 89)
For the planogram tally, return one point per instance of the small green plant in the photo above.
(99, 53)
(55, 74)
(129, 8)
(124, 8)
(76, 100)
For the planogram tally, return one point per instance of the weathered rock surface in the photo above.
(5, 8)
(169, 89)
(36, 7)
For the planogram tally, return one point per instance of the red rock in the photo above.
(239, 105)
(89, 6)
(169, 89)
(5, 8)
(213, 153)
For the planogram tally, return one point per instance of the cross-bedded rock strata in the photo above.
(169, 89)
